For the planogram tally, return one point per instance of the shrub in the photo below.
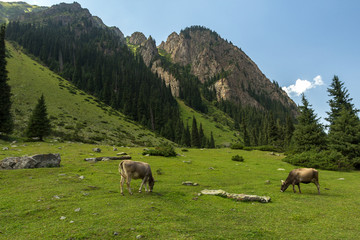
(237, 146)
(237, 158)
(328, 160)
(165, 150)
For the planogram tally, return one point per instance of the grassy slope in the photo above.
(214, 121)
(29, 210)
(71, 110)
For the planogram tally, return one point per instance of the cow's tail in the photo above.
(121, 169)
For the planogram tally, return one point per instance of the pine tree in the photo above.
(340, 99)
(195, 141)
(246, 136)
(6, 120)
(344, 127)
(309, 133)
(344, 135)
(39, 123)
(289, 130)
(272, 130)
(202, 137)
(212, 141)
(186, 138)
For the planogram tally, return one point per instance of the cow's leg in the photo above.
(121, 185)
(128, 180)
(318, 186)
(299, 188)
(142, 183)
(294, 188)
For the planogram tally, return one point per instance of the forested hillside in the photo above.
(74, 115)
(95, 60)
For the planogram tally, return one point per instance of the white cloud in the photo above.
(302, 86)
(318, 81)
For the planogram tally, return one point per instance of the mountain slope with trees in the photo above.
(74, 115)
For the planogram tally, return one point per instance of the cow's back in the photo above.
(305, 175)
(135, 169)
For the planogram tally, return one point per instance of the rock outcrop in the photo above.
(209, 55)
(149, 52)
(97, 159)
(236, 196)
(36, 161)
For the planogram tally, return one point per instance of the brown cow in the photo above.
(301, 175)
(137, 170)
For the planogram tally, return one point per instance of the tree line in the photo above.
(337, 149)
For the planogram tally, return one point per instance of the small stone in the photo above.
(62, 218)
(98, 150)
(281, 169)
(341, 179)
(56, 197)
(267, 182)
(211, 168)
(81, 177)
(115, 149)
(71, 221)
(5, 148)
(189, 183)
(116, 233)
(139, 236)
(188, 162)
(77, 210)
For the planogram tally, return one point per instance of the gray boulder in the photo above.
(97, 150)
(36, 161)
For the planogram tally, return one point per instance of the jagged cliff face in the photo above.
(148, 50)
(209, 54)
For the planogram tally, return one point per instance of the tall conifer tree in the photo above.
(340, 100)
(344, 128)
(39, 124)
(195, 141)
(6, 120)
(309, 133)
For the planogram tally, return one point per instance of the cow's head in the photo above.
(151, 183)
(284, 186)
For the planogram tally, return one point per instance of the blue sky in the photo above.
(300, 44)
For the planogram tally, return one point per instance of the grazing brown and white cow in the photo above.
(301, 175)
(137, 170)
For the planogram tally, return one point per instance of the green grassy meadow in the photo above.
(32, 201)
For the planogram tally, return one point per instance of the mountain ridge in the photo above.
(209, 55)
(196, 65)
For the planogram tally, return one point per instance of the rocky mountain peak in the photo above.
(137, 38)
(209, 55)
(148, 50)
